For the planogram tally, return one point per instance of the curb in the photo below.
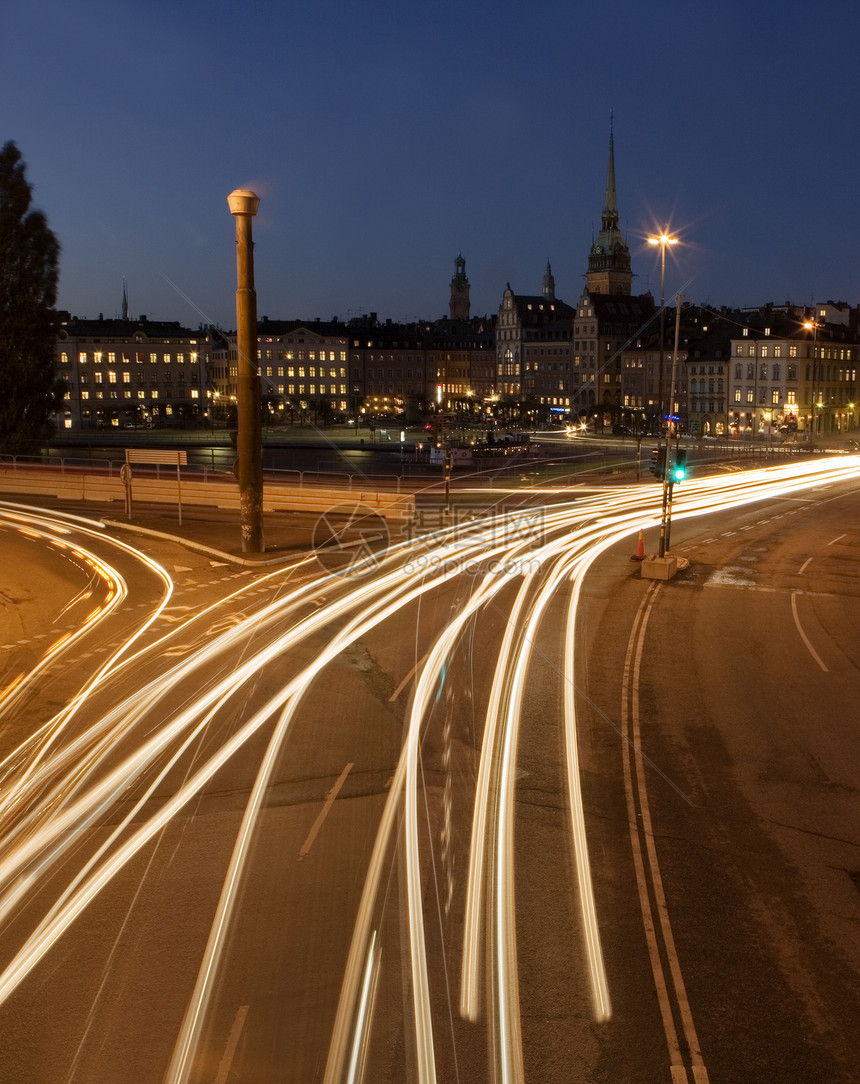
(199, 547)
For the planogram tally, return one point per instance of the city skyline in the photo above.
(384, 145)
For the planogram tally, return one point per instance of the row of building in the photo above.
(609, 357)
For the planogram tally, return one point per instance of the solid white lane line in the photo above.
(329, 802)
(803, 635)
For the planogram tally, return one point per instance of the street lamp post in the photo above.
(249, 445)
(663, 240)
(812, 325)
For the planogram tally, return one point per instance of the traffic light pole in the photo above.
(666, 518)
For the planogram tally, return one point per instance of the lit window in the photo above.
(774, 398)
(82, 357)
(195, 394)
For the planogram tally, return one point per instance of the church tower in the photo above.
(609, 260)
(548, 283)
(459, 306)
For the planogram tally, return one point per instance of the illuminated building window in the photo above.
(153, 358)
(85, 395)
(737, 395)
(750, 396)
(195, 394)
(126, 377)
(792, 351)
(774, 398)
(154, 393)
(98, 377)
(82, 357)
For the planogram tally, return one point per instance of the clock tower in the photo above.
(459, 306)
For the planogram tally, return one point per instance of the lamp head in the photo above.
(243, 202)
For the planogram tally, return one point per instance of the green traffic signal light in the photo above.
(679, 470)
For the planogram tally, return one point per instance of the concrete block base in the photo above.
(659, 568)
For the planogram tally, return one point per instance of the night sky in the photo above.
(384, 138)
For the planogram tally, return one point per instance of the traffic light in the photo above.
(679, 471)
(657, 466)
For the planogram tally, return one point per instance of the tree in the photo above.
(30, 391)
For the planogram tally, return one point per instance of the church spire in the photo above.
(124, 300)
(609, 260)
(610, 202)
(548, 283)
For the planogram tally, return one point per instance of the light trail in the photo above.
(59, 784)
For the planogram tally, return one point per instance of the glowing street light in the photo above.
(812, 325)
(663, 240)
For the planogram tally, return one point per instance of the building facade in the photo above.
(129, 373)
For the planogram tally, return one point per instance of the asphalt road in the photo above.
(714, 718)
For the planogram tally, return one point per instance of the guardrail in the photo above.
(160, 486)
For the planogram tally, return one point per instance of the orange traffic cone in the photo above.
(639, 555)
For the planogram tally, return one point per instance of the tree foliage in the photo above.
(30, 391)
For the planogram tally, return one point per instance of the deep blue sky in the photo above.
(386, 137)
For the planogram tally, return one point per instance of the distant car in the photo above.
(851, 444)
